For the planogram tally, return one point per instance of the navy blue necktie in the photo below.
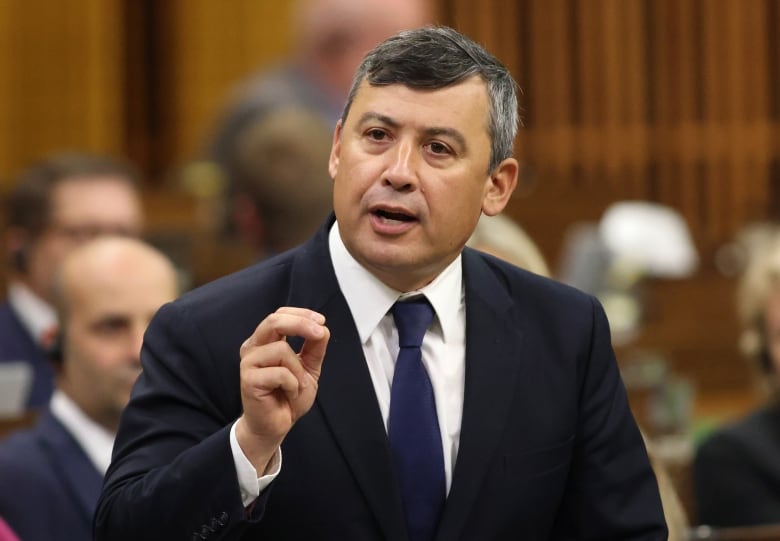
(414, 426)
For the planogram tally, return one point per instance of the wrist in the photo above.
(259, 453)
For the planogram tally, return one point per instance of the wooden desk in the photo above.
(11, 424)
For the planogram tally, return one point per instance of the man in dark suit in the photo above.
(289, 429)
(55, 205)
(51, 474)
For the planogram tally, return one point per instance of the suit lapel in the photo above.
(346, 393)
(493, 336)
(77, 473)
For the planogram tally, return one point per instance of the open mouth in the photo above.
(395, 216)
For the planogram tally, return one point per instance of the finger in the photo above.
(303, 312)
(286, 321)
(259, 384)
(313, 352)
(273, 355)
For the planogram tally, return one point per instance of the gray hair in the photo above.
(436, 57)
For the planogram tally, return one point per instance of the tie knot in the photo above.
(412, 319)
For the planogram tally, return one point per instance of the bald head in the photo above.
(107, 292)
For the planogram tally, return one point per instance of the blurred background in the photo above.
(669, 105)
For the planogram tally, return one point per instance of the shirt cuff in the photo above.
(249, 482)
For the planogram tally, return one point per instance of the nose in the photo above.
(401, 172)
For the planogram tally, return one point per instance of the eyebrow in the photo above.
(433, 131)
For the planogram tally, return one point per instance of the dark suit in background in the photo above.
(546, 445)
(48, 485)
(737, 472)
(16, 344)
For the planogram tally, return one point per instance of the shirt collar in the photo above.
(369, 299)
(35, 314)
(94, 439)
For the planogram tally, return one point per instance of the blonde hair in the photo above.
(759, 281)
(501, 236)
(674, 511)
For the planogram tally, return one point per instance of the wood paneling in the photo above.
(206, 47)
(61, 79)
(673, 101)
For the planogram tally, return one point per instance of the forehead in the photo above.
(106, 199)
(463, 106)
(125, 289)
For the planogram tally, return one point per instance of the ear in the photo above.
(17, 242)
(499, 186)
(335, 151)
(248, 221)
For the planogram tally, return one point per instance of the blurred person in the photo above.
(503, 237)
(106, 293)
(736, 470)
(56, 205)
(330, 38)
(501, 417)
(281, 189)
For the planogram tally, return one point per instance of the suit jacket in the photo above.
(737, 472)
(48, 486)
(16, 344)
(548, 446)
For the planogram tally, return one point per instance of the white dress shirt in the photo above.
(94, 439)
(35, 314)
(443, 351)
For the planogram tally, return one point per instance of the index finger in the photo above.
(313, 352)
(287, 321)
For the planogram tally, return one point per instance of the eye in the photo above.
(436, 147)
(110, 326)
(376, 134)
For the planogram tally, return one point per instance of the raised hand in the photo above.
(278, 385)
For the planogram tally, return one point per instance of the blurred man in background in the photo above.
(105, 295)
(56, 205)
(271, 144)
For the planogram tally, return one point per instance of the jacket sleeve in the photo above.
(172, 474)
(612, 491)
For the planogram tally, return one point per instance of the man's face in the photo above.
(410, 170)
(108, 313)
(81, 208)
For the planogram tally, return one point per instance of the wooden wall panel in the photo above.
(61, 79)
(206, 48)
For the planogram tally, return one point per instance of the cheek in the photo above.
(97, 358)
(352, 182)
